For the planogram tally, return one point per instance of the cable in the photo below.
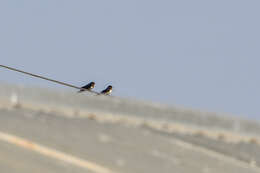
(44, 78)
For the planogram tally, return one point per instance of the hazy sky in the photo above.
(200, 54)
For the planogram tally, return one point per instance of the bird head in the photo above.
(92, 84)
(109, 87)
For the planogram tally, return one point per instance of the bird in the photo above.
(88, 87)
(107, 91)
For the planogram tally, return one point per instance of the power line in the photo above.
(45, 78)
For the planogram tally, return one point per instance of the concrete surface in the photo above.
(61, 131)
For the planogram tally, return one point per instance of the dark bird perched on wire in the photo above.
(107, 91)
(89, 87)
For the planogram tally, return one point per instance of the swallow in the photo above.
(107, 91)
(88, 87)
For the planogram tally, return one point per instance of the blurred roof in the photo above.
(122, 135)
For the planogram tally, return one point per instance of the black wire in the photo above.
(44, 78)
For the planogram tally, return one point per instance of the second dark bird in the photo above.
(107, 91)
(89, 87)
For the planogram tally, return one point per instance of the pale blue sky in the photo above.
(200, 54)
